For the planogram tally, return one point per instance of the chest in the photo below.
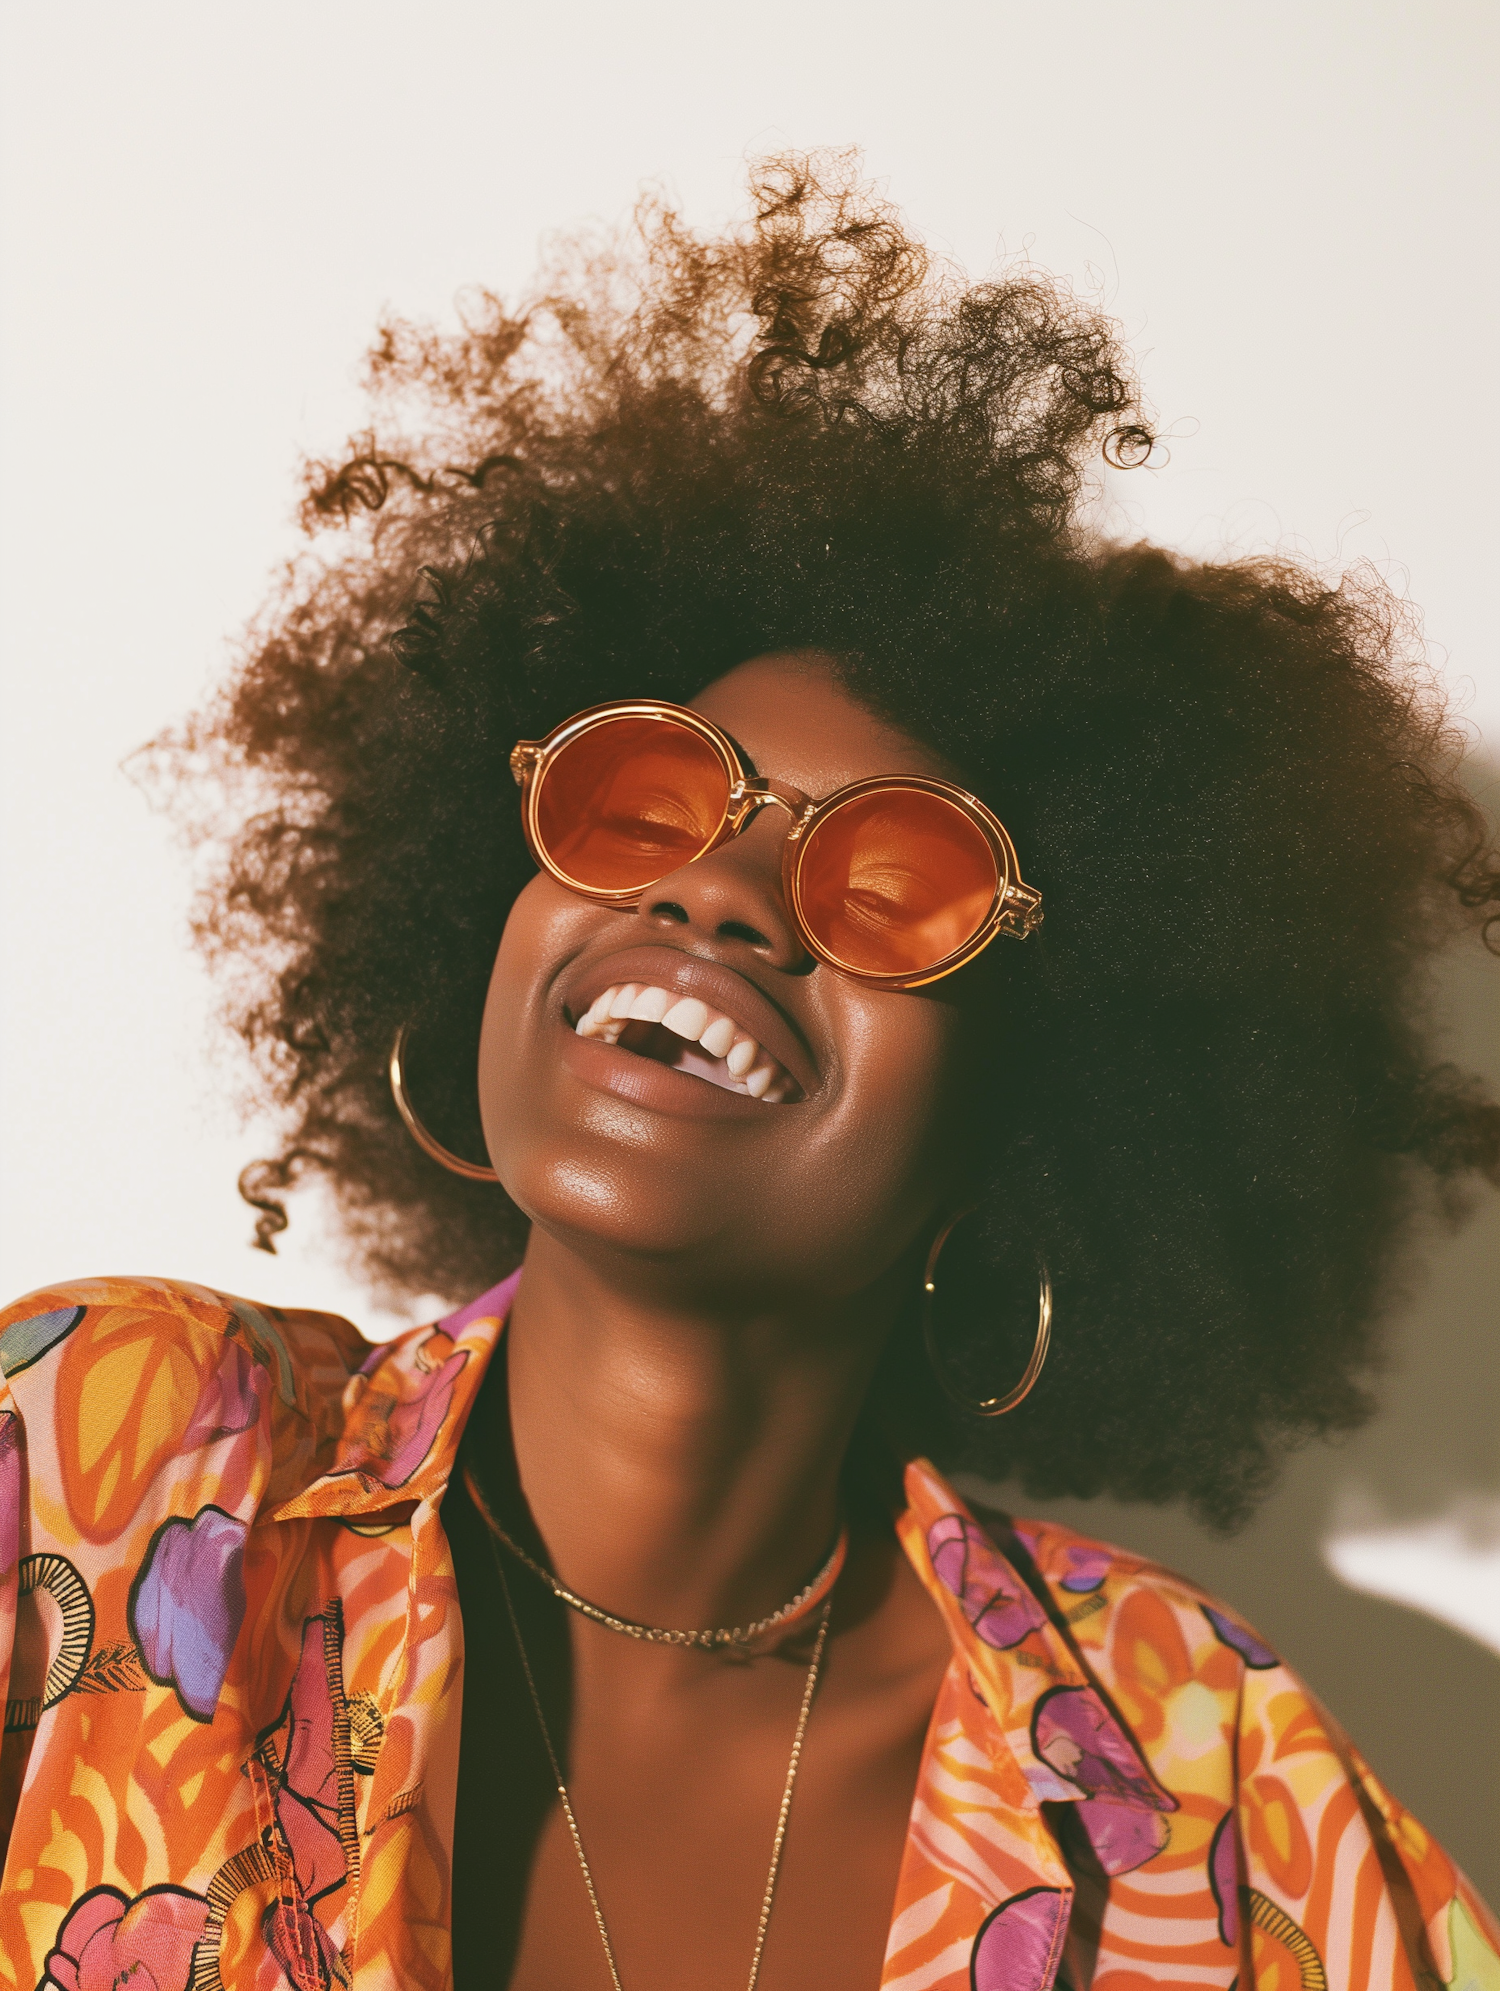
(676, 1789)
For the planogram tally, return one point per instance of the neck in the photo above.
(681, 1462)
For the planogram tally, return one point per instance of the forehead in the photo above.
(794, 719)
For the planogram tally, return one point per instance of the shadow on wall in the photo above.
(1419, 1697)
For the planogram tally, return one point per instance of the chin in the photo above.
(616, 1196)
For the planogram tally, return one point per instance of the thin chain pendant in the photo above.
(740, 1652)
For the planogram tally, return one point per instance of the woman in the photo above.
(619, 1627)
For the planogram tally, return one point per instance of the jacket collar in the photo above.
(403, 1413)
(1009, 1633)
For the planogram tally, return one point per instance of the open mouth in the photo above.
(686, 1035)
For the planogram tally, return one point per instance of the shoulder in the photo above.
(1131, 1612)
(1268, 1796)
(1191, 1678)
(106, 1379)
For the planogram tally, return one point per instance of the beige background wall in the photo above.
(205, 209)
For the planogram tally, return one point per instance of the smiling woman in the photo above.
(621, 1628)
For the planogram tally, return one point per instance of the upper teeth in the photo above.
(750, 1068)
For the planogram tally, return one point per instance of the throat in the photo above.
(674, 1466)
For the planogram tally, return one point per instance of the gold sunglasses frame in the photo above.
(1015, 911)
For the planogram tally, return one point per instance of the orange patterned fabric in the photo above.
(234, 1661)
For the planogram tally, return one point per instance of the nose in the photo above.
(734, 894)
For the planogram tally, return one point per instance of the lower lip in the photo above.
(657, 1087)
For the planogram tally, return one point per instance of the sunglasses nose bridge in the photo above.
(753, 793)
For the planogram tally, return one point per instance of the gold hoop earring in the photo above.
(990, 1406)
(472, 1171)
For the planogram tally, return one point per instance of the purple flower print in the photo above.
(27, 1341)
(1075, 1734)
(187, 1604)
(995, 1600)
(402, 1400)
(1018, 1947)
(1224, 1879)
(1240, 1639)
(107, 1940)
(1087, 1568)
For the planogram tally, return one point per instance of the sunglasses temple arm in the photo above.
(1021, 910)
(525, 758)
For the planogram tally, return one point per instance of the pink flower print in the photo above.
(300, 1947)
(995, 1600)
(300, 1755)
(1075, 1734)
(397, 1414)
(493, 1305)
(10, 1490)
(187, 1605)
(229, 1401)
(107, 1940)
(1019, 1945)
(1123, 1837)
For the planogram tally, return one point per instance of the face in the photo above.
(635, 1138)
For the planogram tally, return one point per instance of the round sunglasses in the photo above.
(895, 881)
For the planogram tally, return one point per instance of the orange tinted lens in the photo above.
(629, 800)
(894, 881)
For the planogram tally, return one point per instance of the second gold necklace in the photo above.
(783, 1813)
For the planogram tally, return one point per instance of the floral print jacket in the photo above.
(231, 1631)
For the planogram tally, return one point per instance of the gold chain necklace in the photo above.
(736, 1639)
(809, 1689)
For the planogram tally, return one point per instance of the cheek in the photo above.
(532, 935)
(900, 1130)
(546, 925)
(563, 1156)
(521, 947)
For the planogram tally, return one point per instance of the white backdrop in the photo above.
(207, 207)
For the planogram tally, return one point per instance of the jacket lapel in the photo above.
(984, 1894)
